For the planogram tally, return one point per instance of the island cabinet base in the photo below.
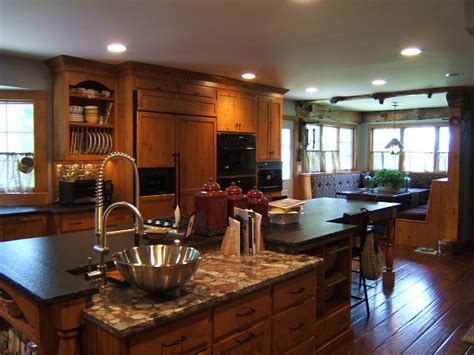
(279, 319)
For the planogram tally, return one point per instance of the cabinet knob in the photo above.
(299, 290)
(298, 327)
(246, 339)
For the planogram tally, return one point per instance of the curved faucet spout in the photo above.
(99, 203)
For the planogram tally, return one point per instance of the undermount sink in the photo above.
(158, 268)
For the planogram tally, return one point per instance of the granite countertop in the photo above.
(220, 278)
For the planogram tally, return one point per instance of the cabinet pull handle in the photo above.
(298, 327)
(157, 88)
(176, 342)
(76, 223)
(246, 314)
(246, 339)
(300, 290)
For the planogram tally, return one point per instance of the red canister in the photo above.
(235, 198)
(211, 209)
(258, 202)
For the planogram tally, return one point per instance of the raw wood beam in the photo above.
(405, 115)
(382, 96)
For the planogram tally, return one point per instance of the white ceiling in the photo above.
(339, 46)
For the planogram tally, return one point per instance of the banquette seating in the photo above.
(327, 184)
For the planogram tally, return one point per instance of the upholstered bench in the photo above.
(327, 184)
(418, 213)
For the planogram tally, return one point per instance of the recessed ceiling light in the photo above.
(378, 82)
(311, 90)
(116, 48)
(411, 51)
(453, 74)
(248, 76)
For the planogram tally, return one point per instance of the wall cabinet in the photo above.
(269, 126)
(12, 228)
(236, 112)
(87, 85)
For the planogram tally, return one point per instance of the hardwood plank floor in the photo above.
(428, 311)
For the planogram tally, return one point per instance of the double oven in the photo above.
(236, 162)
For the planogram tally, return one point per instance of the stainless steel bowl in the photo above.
(158, 268)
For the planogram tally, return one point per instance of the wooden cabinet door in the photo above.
(263, 127)
(155, 139)
(269, 128)
(196, 145)
(274, 144)
(226, 111)
(25, 227)
(152, 207)
(246, 113)
(255, 340)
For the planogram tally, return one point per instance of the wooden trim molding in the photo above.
(40, 194)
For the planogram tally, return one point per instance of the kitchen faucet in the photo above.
(101, 218)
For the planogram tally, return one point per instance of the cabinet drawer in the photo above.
(333, 325)
(156, 84)
(293, 326)
(173, 103)
(24, 227)
(255, 340)
(197, 90)
(305, 348)
(235, 315)
(76, 221)
(187, 336)
(293, 291)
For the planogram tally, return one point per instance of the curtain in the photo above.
(11, 179)
(321, 161)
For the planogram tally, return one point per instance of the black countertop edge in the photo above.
(203, 306)
(86, 293)
(54, 208)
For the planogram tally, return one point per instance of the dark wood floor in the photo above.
(428, 311)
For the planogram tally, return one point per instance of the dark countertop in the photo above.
(315, 223)
(38, 266)
(220, 278)
(56, 208)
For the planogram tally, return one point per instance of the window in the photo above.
(425, 148)
(23, 133)
(16, 140)
(328, 148)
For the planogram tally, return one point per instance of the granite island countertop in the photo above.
(220, 278)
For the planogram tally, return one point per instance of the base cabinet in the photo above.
(12, 228)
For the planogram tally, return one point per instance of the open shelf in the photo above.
(90, 125)
(334, 278)
(99, 98)
(20, 324)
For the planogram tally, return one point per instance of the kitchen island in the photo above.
(41, 274)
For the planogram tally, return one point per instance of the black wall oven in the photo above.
(236, 154)
(270, 176)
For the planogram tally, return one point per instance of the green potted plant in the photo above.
(389, 180)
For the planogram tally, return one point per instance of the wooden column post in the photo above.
(388, 275)
(459, 218)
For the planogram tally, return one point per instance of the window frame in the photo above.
(39, 195)
(338, 126)
(402, 127)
